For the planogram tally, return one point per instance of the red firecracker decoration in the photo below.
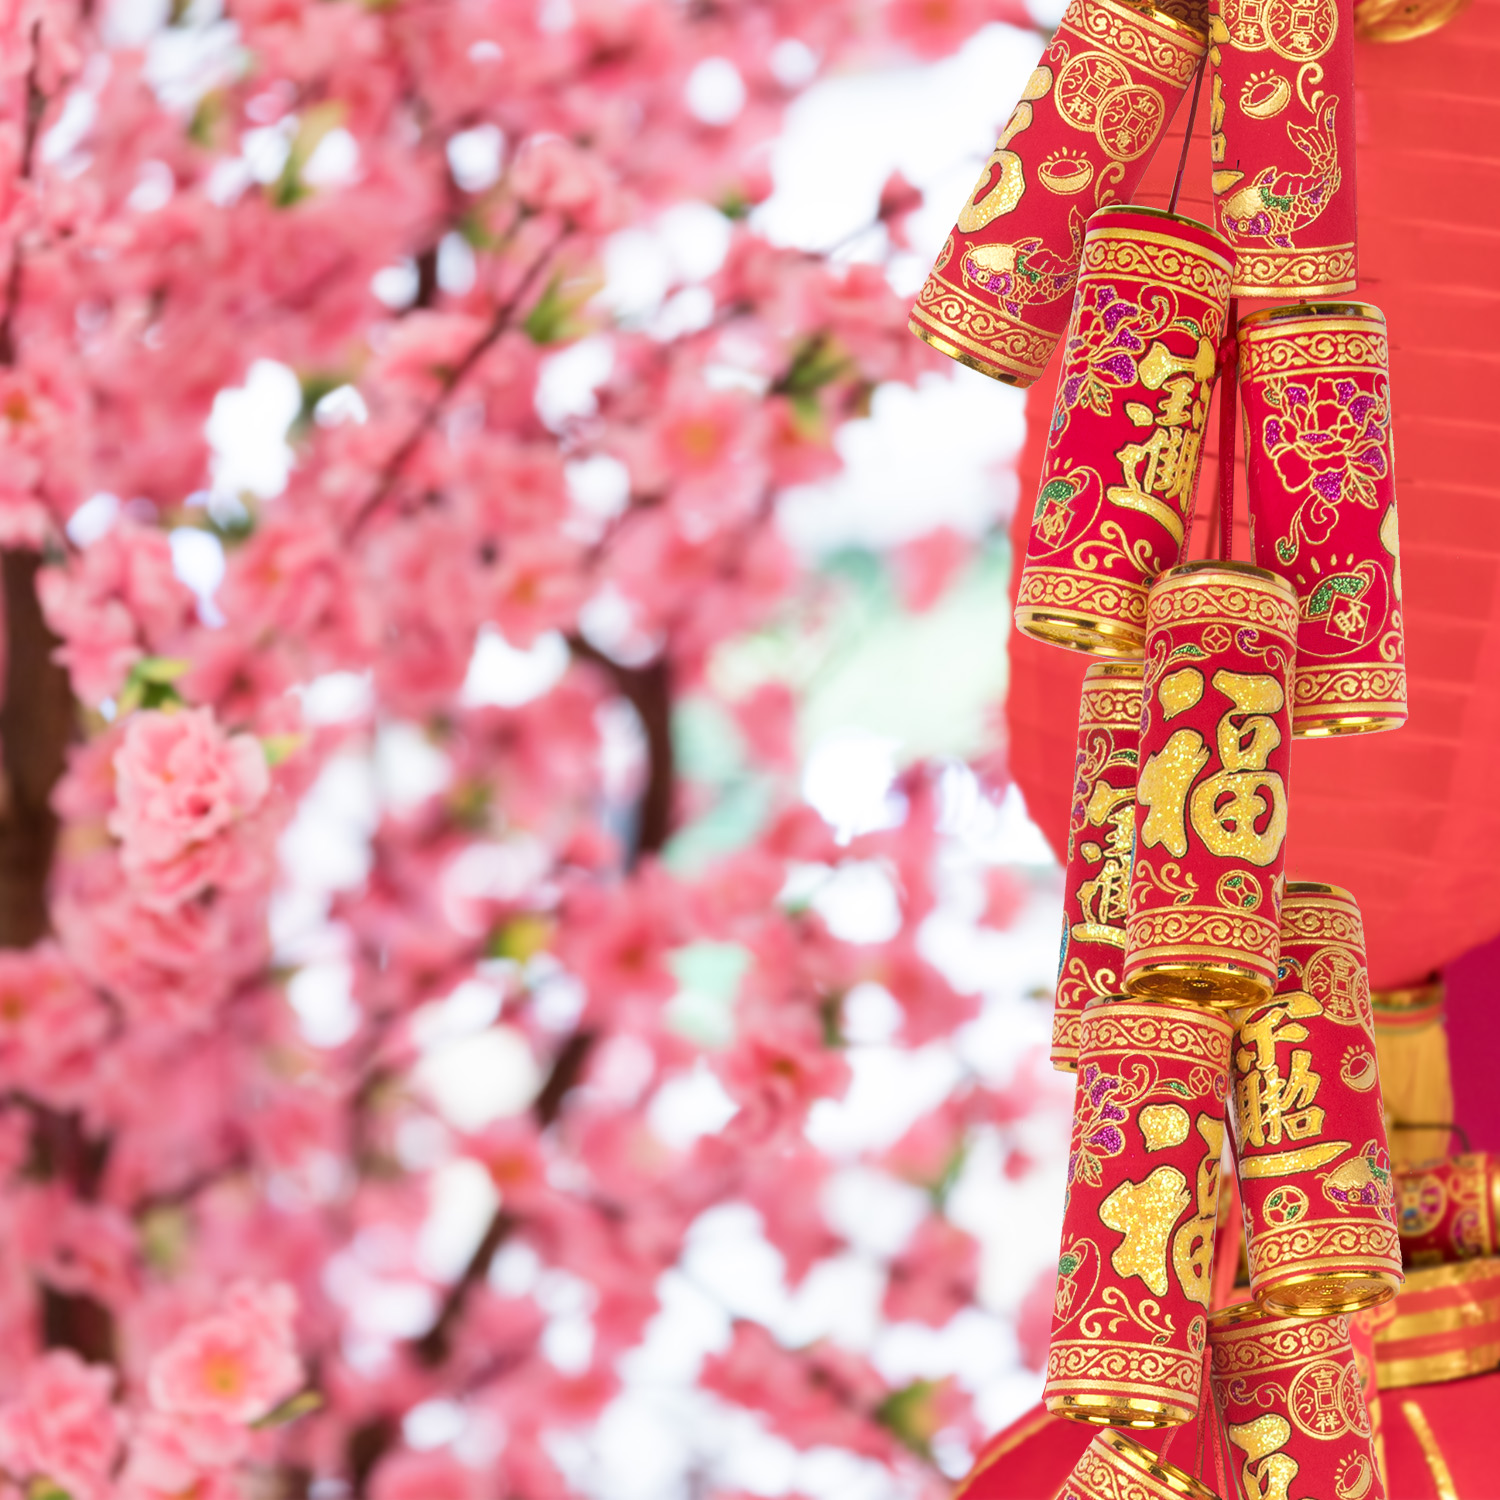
(1100, 840)
(1322, 493)
(1309, 1130)
(1211, 797)
(1081, 137)
(1447, 1210)
(1130, 1322)
(1282, 141)
(1125, 443)
(1116, 1467)
(1288, 1391)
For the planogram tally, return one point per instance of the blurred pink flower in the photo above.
(63, 1427)
(183, 791)
(235, 1365)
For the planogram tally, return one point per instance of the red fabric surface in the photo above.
(1406, 819)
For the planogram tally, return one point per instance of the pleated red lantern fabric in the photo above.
(1402, 819)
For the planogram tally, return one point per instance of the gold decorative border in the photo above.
(1111, 599)
(1322, 1244)
(1322, 919)
(1245, 1343)
(1159, 45)
(1144, 1370)
(1199, 931)
(1195, 599)
(1326, 272)
(983, 330)
(1116, 1467)
(1359, 687)
(1160, 259)
(1141, 1028)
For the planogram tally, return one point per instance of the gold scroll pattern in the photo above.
(1109, 598)
(1277, 348)
(1284, 1344)
(1325, 691)
(1197, 598)
(1159, 261)
(1154, 934)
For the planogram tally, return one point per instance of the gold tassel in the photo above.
(1411, 1041)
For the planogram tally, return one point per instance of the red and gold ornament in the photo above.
(1116, 1467)
(1211, 796)
(1447, 1210)
(1082, 135)
(1281, 114)
(1309, 1130)
(1290, 1397)
(1320, 471)
(1101, 836)
(1124, 447)
(1130, 1320)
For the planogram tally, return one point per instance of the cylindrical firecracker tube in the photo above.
(1082, 135)
(1116, 1467)
(1447, 1210)
(1134, 1278)
(1101, 835)
(1309, 1129)
(1319, 462)
(1281, 118)
(1289, 1393)
(1115, 501)
(1211, 796)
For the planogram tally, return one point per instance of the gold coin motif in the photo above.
(1245, 22)
(1317, 1401)
(1083, 86)
(1337, 980)
(1301, 30)
(1129, 120)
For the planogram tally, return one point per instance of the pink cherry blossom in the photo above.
(63, 1428)
(184, 791)
(236, 1364)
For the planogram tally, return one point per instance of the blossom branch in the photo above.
(499, 325)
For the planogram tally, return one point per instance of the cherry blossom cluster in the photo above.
(411, 206)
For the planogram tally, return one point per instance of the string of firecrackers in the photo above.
(1199, 992)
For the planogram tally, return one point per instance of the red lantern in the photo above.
(1100, 840)
(1088, 120)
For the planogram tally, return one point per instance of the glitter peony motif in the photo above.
(1327, 443)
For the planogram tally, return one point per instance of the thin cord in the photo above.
(1187, 135)
(1229, 378)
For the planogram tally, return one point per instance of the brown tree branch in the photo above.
(502, 320)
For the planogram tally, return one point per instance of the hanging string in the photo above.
(1187, 135)
(1229, 387)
